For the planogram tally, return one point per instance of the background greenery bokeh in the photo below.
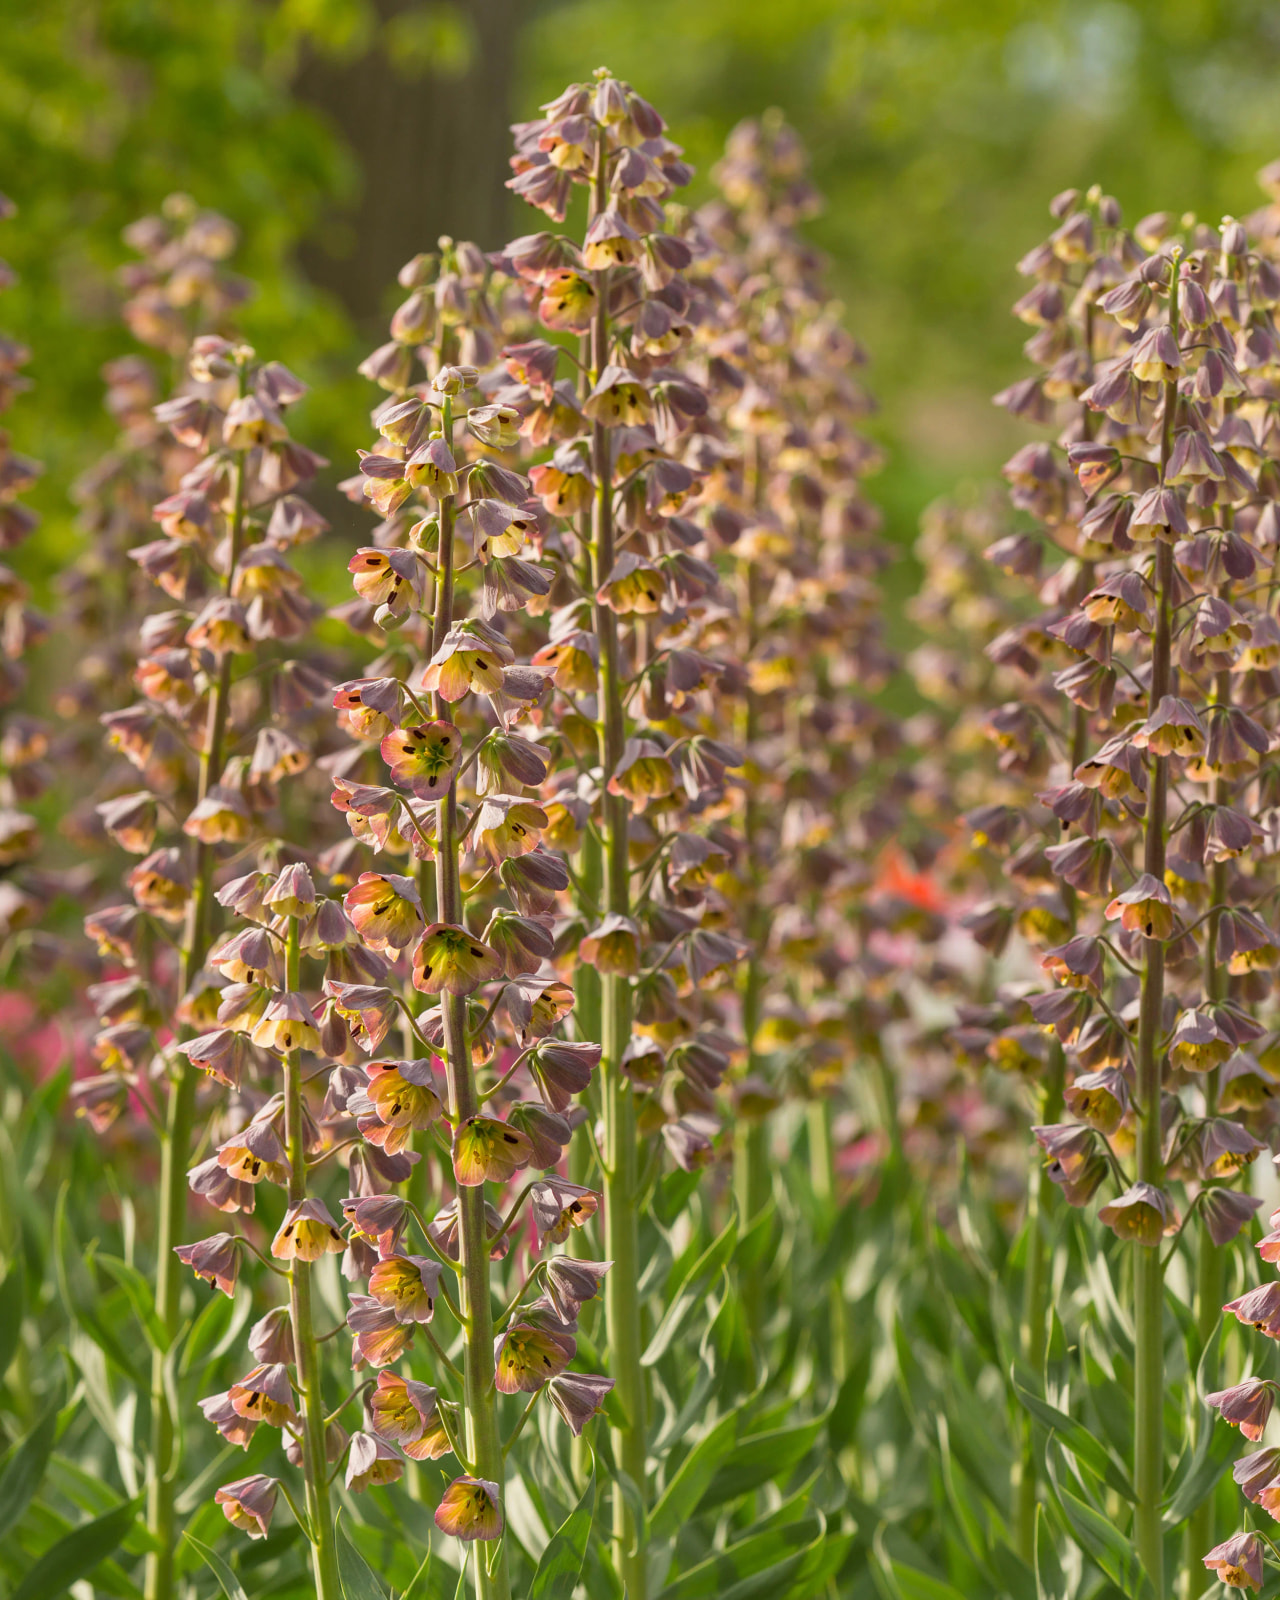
(939, 129)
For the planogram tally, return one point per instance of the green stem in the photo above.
(822, 1178)
(621, 1158)
(1035, 1313)
(1210, 1265)
(1148, 1275)
(324, 1555)
(175, 1139)
(483, 1442)
(588, 1019)
(750, 1141)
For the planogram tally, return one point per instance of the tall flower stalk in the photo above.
(444, 724)
(1151, 495)
(802, 540)
(630, 474)
(226, 529)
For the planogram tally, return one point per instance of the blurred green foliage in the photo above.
(939, 130)
(106, 106)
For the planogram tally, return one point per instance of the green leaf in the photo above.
(140, 1294)
(1090, 1452)
(26, 1469)
(912, 1584)
(766, 1552)
(1097, 1535)
(1051, 1582)
(354, 1572)
(75, 1556)
(227, 1580)
(672, 1195)
(762, 1458)
(1203, 1464)
(13, 1296)
(709, 1264)
(423, 1583)
(693, 1477)
(561, 1564)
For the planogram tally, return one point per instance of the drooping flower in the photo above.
(449, 960)
(307, 1232)
(265, 1395)
(579, 1396)
(470, 1508)
(215, 1259)
(486, 1150)
(385, 910)
(248, 1504)
(1238, 1561)
(528, 1357)
(407, 1285)
(372, 1461)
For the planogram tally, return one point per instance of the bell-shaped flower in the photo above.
(1225, 1211)
(613, 946)
(1245, 943)
(378, 1335)
(559, 1206)
(403, 1093)
(1259, 1309)
(385, 910)
(1174, 728)
(293, 894)
(307, 1232)
(1198, 1044)
(442, 1230)
(423, 758)
(1077, 964)
(256, 1153)
(406, 1285)
(470, 1508)
(571, 1283)
(265, 1395)
(643, 773)
(367, 1009)
(1100, 1099)
(1142, 1213)
(487, 1150)
(471, 656)
(633, 587)
(521, 943)
(248, 1504)
(1258, 1475)
(234, 1428)
(548, 1132)
(403, 1411)
(579, 1396)
(449, 960)
(1238, 1561)
(562, 1069)
(161, 884)
(215, 1259)
(379, 1218)
(1245, 1405)
(1226, 1148)
(527, 1357)
(371, 1461)
(271, 1337)
(286, 1024)
(507, 826)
